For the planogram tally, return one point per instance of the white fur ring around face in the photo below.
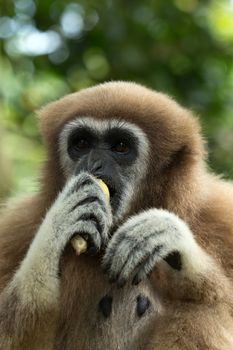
(78, 242)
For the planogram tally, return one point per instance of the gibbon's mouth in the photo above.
(114, 199)
(112, 191)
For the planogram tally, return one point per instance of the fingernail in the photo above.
(92, 251)
(136, 280)
(106, 267)
(112, 279)
(121, 283)
(143, 303)
(105, 306)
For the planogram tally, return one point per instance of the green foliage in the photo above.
(50, 48)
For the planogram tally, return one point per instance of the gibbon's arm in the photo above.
(158, 237)
(28, 304)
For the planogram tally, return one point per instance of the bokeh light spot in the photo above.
(72, 22)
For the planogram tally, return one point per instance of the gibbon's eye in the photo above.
(121, 147)
(81, 144)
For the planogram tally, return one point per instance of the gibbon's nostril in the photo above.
(96, 166)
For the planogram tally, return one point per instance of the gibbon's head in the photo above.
(144, 145)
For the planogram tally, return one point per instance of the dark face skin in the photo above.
(108, 156)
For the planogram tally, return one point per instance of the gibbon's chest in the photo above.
(95, 315)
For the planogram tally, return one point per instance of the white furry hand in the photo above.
(81, 209)
(143, 241)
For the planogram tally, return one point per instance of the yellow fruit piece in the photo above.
(79, 244)
(104, 188)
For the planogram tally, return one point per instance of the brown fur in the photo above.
(194, 316)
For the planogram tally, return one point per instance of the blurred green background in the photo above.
(50, 48)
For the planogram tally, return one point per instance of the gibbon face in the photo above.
(115, 151)
(133, 138)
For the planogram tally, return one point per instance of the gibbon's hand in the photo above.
(145, 240)
(81, 208)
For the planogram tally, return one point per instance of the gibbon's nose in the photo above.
(96, 167)
(95, 162)
(100, 164)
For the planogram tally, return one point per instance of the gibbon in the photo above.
(157, 273)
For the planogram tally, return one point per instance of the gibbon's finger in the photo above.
(122, 244)
(147, 266)
(125, 261)
(78, 242)
(135, 261)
